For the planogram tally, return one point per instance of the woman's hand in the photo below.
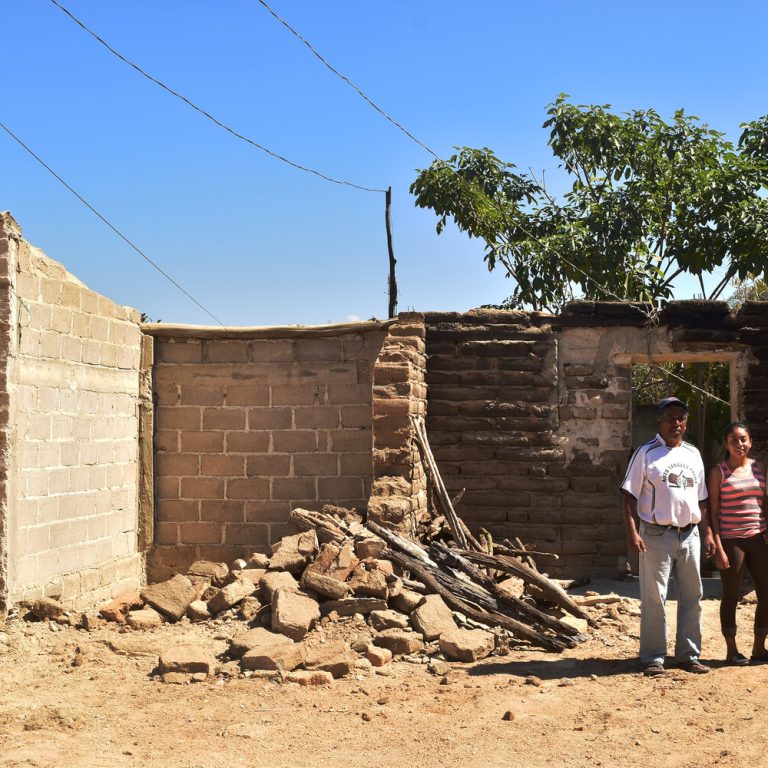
(721, 559)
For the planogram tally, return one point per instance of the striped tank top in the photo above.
(741, 503)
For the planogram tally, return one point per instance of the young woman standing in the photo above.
(737, 498)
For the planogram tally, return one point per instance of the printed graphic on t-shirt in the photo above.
(679, 476)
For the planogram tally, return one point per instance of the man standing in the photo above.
(665, 489)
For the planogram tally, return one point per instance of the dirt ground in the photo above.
(588, 707)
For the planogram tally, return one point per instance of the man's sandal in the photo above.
(695, 667)
(654, 669)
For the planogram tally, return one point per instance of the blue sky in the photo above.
(260, 243)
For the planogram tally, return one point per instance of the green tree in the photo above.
(648, 200)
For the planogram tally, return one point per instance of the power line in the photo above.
(346, 80)
(208, 115)
(108, 223)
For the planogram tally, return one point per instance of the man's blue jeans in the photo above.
(669, 552)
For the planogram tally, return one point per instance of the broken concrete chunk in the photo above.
(186, 658)
(170, 597)
(406, 600)
(273, 580)
(197, 610)
(118, 609)
(371, 546)
(378, 657)
(252, 639)
(335, 657)
(293, 615)
(432, 618)
(249, 608)
(466, 644)
(258, 560)
(306, 677)
(381, 620)
(253, 575)
(281, 656)
(146, 618)
(399, 641)
(327, 586)
(48, 609)
(293, 553)
(369, 583)
(352, 605)
(216, 573)
(231, 595)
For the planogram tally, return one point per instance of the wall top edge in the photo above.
(181, 331)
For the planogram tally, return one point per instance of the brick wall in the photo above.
(492, 421)
(74, 440)
(531, 413)
(251, 423)
(399, 491)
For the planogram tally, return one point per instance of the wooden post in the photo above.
(392, 308)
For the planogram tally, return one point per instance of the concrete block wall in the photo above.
(399, 491)
(250, 423)
(72, 454)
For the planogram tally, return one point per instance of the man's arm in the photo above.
(635, 542)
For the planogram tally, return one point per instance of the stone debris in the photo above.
(432, 618)
(230, 595)
(318, 586)
(172, 597)
(389, 619)
(119, 608)
(48, 609)
(467, 644)
(214, 573)
(335, 657)
(307, 677)
(145, 618)
(293, 614)
(399, 641)
(273, 580)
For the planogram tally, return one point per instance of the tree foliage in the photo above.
(648, 200)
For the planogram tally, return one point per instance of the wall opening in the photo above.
(704, 385)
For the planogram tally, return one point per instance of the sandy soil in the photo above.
(76, 698)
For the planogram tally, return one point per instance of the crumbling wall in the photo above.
(531, 413)
(399, 491)
(72, 442)
(251, 423)
(492, 420)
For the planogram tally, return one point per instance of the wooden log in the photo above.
(442, 553)
(553, 592)
(520, 630)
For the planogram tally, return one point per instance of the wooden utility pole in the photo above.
(392, 308)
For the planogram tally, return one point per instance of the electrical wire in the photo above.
(208, 115)
(109, 224)
(346, 80)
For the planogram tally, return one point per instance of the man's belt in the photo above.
(678, 528)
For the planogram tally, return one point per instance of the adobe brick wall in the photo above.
(399, 491)
(72, 455)
(531, 413)
(251, 423)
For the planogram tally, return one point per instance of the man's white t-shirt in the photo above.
(668, 483)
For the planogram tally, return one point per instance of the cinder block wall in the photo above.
(72, 446)
(251, 423)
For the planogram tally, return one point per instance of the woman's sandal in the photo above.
(737, 660)
(760, 658)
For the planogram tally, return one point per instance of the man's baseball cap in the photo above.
(668, 401)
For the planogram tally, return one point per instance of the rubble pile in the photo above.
(339, 597)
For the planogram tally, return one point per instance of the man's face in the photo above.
(672, 422)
